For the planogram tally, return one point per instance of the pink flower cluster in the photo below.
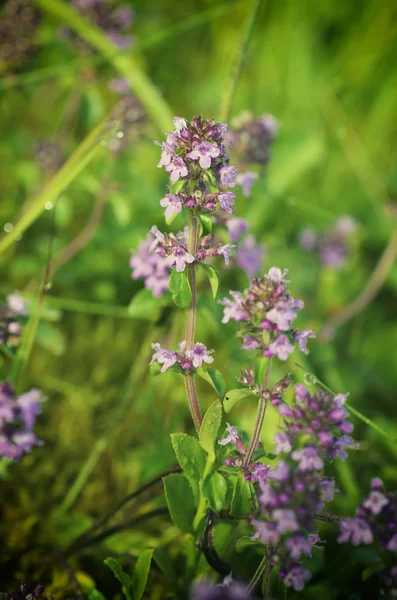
(17, 419)
(266, 311)
(195, 154)
(322, 419)
(185, 360)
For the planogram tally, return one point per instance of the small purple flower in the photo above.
(297, 545)
(232, 437)
(180, 258)
(226, 251)
(236, 228)
(247, 180)
(282, 315)
(204, 152)
(228, 176)
(172, 204)
(297, 578)
(228, 590)
(226, 201)
(375, 502)
(200, 354)
(280, 473)
(249, 255)
(283, 443)
(250, 343)
(308, 459)
(286, 520)
(275, 274)
(266, 532)
(302, 338)
(281, 347)
(356, 530)
(234, 309)
(179, 124)
(164, 357)
(176, 168)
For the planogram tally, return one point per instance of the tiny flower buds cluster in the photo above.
(195, 157)
(17, 419)
(332, 246)
(267, 311)
(184, 360)
(322, 419)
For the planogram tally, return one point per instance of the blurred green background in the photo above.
(327, 72)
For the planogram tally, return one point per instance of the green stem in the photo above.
(238, 64)
(190, 385)
(257, 576)
(260, 415)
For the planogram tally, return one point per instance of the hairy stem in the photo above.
(191, 320)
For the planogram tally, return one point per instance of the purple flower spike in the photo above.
(297, 578)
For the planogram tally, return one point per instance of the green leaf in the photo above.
(214, 378)
(246, 542)
(95, 595)
(206, 223)
(260, 366)
(166, 566)
(241, 500)
(180, 288)
(178, 186)
(181, 505)
(214, 488)
(145, 306)
(210, 427)
(140, 574)
(190, 455)
(124, 579)
(371, 570)
(233, 396)
(212, 277)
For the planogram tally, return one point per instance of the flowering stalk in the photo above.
(260, 416)
(190, 385)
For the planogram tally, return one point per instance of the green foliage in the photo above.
(180, 501)
(124, 579)
(212, 276)
(241, 503)
(210, 427)
(214, 378)
(233, 396)
(134, 586)
(214, 489)
(140, 574)
(180, 288)
(205, 224)
(145, 306)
